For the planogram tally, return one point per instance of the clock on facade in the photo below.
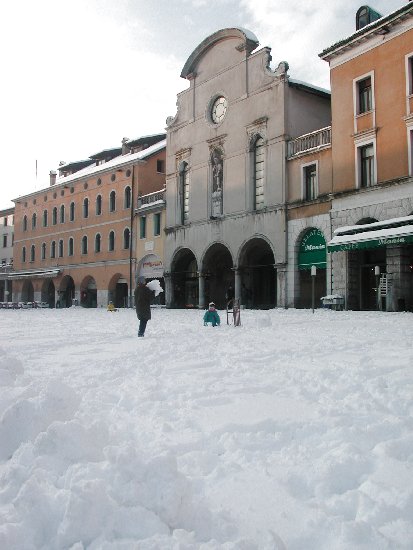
(219, 109)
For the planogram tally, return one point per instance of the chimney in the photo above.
(52, 175)
(125, 148)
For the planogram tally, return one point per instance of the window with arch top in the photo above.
(184, 191)
(258, 172)
(112, 201)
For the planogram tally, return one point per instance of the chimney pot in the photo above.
(53, 176)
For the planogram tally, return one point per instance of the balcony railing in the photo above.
(151, 198)
(309, 142)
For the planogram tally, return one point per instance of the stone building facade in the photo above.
(226, 183)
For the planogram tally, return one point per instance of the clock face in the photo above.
(219, 109)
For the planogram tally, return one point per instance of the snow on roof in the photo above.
(120, 160)
(295, 82)
(385, 20)
(365, 228)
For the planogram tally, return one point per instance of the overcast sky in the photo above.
(79, 75)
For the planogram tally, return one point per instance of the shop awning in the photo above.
(397, 231)
(40, 273)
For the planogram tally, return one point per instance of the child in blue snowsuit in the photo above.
(211, 316)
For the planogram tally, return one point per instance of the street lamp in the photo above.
(313, 274)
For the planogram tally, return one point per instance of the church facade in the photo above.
(227, 181)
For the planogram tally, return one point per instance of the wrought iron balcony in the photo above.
(309, 142)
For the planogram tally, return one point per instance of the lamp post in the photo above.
(313, 274)
(377, 274)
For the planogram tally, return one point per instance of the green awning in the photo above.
(395, 232)
(312, 250)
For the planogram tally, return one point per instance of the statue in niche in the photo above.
(216, 171)
(217, 181)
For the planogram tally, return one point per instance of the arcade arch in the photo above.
(88, 292)
(218, 272)
(256, 267)
(184, 279)
(66, 292)
(118, 291)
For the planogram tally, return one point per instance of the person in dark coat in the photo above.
(143, 296)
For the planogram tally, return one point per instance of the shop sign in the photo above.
(151, 267)
(374, 243)
(312, 250)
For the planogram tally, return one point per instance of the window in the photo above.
(43, 251)
(309, 182)
(157, 224)
(98, 205)
(45, 216)
(54, 216)
(259, 153)
(142, 226)
(86, 208)
(72, 212)
(111, 241)
(5, 222)
(184, 191)
(4, 241)
(34, 221)
(364, 95)
(362, 17)
(366, 155)
(53, 249)
(112, 201)
(97, 243)
(126, 239)
(127, 198)
(61, 248)
(24, 254)
(84, 244)
(70, 247)
(62, 214)
(160, 166)
(32, 253)
(25, 223)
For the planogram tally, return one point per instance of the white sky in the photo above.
(79, 76)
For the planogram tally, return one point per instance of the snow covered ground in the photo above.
(293, 431)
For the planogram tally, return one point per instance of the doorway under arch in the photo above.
(258, 275)
(27, 292)
(217, 267)
(312, 251)
(184, 273)
(48, 292)
(66, 292)
(88, 292)
(118, 291)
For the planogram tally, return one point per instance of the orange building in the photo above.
(75, 241)
(372, 186)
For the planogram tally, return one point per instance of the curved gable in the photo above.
(248, 42)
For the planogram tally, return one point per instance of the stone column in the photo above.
(201, 290)
(169, 290)
(280, 274)
(237, 286)
(398, 273)
(6, 290)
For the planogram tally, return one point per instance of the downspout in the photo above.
(131, 233)
(285, 190)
